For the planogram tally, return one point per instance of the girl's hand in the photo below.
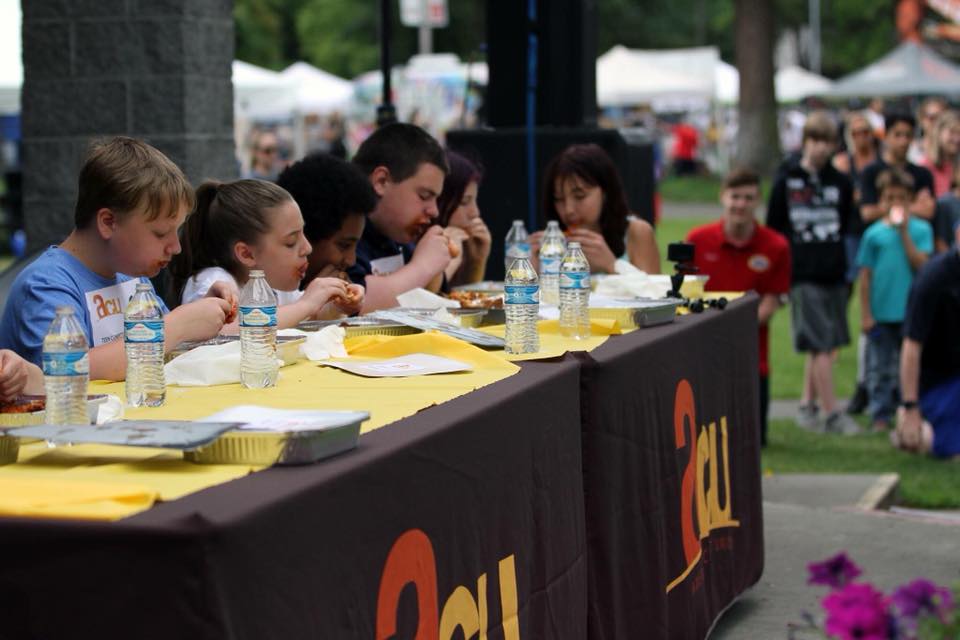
(479, 241)
(352, 301)
(322, 290)
(595, 248)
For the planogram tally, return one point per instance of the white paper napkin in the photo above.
(205, 366)
(324, 344)
(109, 410)
(423, 299)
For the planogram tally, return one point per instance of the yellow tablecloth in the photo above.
(104, 482)
(553, 345)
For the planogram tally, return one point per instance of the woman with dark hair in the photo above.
(583, 191)
(460, 217)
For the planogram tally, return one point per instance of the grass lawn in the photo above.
(701, 188)
(924, 482)
(786, 378)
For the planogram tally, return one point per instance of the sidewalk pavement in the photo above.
(809, 517)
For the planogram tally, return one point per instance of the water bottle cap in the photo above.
(65, 309)
(552, 223)
(144, 286)
(573, 245)
(256, 273)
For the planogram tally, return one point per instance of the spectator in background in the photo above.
(740, 254)
(942, 147)
(893, 249)
(929, 416)
(460, 216)
(874, 112)
(583, 191)
(861, 152)
(947, 215)
(684, 151)
(927, 114)
(265, 158)
(899, 133)
(810, 205)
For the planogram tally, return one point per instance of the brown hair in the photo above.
(740, 177)
(590, 163)
(894, 179)
(820, 126)
(226, 213)
(123, 174)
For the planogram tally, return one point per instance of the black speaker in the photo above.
(566, 36)
(503, 193)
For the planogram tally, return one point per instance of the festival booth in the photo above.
(912, 69)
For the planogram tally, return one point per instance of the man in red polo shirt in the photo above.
(740, 254)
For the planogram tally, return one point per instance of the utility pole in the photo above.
(814, 7)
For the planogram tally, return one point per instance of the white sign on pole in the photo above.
(411, 13)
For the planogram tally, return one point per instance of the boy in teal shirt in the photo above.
(892, 250)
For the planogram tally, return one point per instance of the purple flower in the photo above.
(922, 597)
(858, 612)
(834, 572)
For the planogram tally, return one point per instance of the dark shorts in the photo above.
(818, 315)
(941, 408)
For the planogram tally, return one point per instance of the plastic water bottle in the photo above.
(143, 341)
(516, 245)
(574, 293)
(551, 253)
(66, 369)
(521, 304)
(258, 333)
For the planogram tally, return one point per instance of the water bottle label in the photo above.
(66, 364)
(519, 250)
(258, 316)
(550, 265)
(143, 331)
(575, 280)
(521, 293)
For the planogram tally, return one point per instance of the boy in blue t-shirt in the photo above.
(892, 250)
(131, 203)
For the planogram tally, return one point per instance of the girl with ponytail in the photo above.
(254, 224)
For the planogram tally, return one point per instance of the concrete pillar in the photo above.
(153, 69)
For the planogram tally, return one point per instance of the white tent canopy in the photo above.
(671, 77)
(301, 88)
(315, 90)
(11, 66)
(664, 78)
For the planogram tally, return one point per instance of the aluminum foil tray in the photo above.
(636, 314)
(277, 448)
(360, 326)
(37, 417)
(288, 347)
(9, 449)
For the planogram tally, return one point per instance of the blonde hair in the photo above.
(820, 126)
(123, 174)
(944, 121)
(852, 117)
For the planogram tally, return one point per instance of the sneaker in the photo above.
(858, 403)
(839, 422)
(807, 417)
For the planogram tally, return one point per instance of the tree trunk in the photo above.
(758, 144)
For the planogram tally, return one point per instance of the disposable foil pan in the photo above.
(9, 449)
(639, 313)
(276, 448)
(360, 326)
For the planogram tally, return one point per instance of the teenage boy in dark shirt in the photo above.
(896, 143)
(402, 247)
(810, 205)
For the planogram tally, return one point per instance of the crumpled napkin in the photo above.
(324, 344)
(630, 282)
(422, 299)
(205, 366)
(110, 410)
